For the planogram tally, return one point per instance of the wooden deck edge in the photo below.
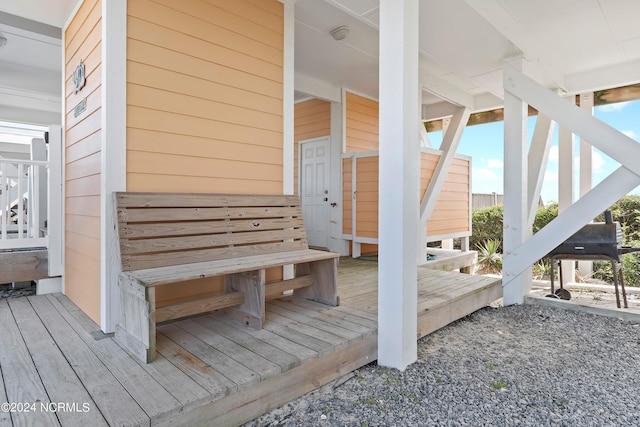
(261, 398)
(479, 289)
(24, 265)
(452, 262)
(616, 313)
(431, 320)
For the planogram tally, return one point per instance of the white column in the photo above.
(398, 188)
(516, 230)
(288, 142)
(585, 268)
(566, 150)
(336, 243)
(114, 153)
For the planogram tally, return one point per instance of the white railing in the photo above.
(21, 213)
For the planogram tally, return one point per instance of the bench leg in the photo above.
(251, 313)
(324, 288)
(136, 330)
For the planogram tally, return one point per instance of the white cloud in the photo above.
(495, 163)
(553, 154)
(486, 173)
(597, 161)
(613, 108)
(550, 176)
(631, 134)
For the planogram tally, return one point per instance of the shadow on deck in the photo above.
(210, 369)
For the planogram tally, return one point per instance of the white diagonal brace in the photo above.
(448, 147)
(537, 161)
(613, 143)
(615, 186)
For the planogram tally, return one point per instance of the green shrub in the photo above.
(489, 258)
(487, 225)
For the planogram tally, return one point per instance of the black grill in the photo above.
(596, 241)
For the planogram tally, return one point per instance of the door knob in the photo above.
(334, 204)
(326, 199)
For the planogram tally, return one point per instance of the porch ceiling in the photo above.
(574, 45)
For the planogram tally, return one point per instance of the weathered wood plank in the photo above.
(145, 230)
(22, 266)
(292, 347)
(176, 213)
(22, 382)
(5, 417)
(210, 240)
(111, 398)
(290, 330)
(264, 349)
(202, 305)
(59, 379)
(324, 288)
(156, 200)
(276, 289)
(251, 284)
(170, 274)
(254, 362)
(237, 373)
(278, 315)
(141, 262)
(341, 318)
(216, 384)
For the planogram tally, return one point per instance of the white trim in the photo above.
(287, 100)
(113, 155)
(336, 244)
(72, 15)
(448, 236)
(537, 162)
(354, 195)
(55, 215)
(317, 88)
(343, 103)
(360, 154)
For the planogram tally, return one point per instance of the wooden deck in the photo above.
(210, 369)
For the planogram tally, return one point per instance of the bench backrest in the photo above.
(162, 229)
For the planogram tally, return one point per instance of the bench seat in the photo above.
(169, 238)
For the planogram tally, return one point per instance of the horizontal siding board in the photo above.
(251, 13)
(88, 246)
(147, 182)
(172, 40)
(89, 125)
(89, 206)
(177, 82)
(93, 82)
(89, 146)
(170, 122)
(164, 100)
(85, 186)
(78, 20)
(177, 18)
(87, 38)
(89, 53)
(193, 146)
(89, 165)
(202, 68)
(93, 102)
(88, 226)
(230, 21)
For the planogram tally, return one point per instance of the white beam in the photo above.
(448, 147)
(398, 183)
(438, 111)
(610, 141)
(615, 186)
(531, 48)
(616, 75)
(317, 88)
(516, 231)
(446, 90)
(537, 161)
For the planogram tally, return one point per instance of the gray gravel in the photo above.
(518, 365)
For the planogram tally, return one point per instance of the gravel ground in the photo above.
(505, 366)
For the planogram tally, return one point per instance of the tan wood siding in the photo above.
(204, 102)
(83, 41)
(347, 194)
(312, 119)
(367, 197)
(361, 123)
(452, 211)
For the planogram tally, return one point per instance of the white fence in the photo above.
(22, 214)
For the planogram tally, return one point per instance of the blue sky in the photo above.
(484, 144)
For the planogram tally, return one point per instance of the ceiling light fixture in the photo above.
(341, 32)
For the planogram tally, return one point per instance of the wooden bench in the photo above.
(168, 238)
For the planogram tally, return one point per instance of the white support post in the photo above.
(55, 205)
(566, 150)
(288, 136)
(585, 268)
(114, 153)
(336, 243)
(398, 183)
(515, 284)
(537, 161)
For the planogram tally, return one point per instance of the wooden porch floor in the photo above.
(209, 369)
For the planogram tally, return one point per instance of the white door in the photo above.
(314, 190)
